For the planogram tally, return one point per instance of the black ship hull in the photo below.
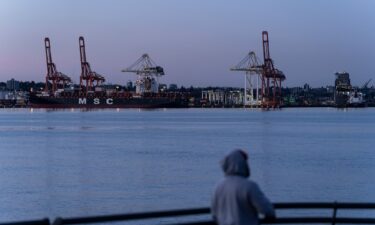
(341, 100)
(106, 102)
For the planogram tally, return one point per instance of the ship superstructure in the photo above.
(345, 95)
(342, 89)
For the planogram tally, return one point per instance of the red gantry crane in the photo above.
(57, 79)
(87, 75)
(271, 78)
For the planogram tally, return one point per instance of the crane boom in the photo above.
(86, 73)
(57, 78)
(248, 64)
(145, 66)
(366, 84)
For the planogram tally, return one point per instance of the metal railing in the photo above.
(334, 219)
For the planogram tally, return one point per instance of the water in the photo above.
(75, 163)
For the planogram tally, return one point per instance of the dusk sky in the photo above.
(195, 41)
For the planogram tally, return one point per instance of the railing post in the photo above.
(46, 221)
(334, 213)
(58, 221)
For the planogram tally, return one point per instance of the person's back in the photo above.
(237, 200)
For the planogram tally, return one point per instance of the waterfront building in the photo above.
(306, 88)
(13, 85)
(129, 85)
(224, 98)
(162, 87)
(173, 87)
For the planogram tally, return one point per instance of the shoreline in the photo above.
(192, 107)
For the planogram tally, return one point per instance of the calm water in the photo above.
(74, 163)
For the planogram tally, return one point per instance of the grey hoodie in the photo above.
(238, 200)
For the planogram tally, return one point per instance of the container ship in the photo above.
(59, 91)
(97, 100)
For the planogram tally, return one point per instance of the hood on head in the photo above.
(235, 163)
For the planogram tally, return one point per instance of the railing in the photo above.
(333, 219)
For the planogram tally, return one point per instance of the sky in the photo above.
(195, 41)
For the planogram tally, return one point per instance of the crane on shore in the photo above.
(365, 86)
(148, 73)
(86, 73)
(253, 72)
(271, 78)
(57, 79)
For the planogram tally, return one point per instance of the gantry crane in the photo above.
(57, 79)
(271, 78)
(253, 72)
(146, 70)
(365, 86)
(86, 74)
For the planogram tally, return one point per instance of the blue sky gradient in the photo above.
(195, 41)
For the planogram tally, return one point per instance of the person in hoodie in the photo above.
(238, 200)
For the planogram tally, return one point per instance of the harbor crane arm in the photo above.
(86, 73)
(57, 78)
(248, 64)
(145, 66)
(51, 68)
(269, 68)
(86, 69)
(366, 84)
